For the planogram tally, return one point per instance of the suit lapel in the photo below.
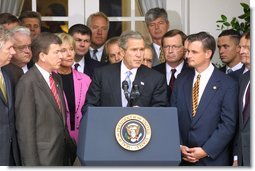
(188, 92)
(42, 84)
(210, 90)
(115, 88)
(243, 86)
(8, 88)
(139, 79)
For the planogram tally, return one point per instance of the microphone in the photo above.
(125, 88)
(135, 93)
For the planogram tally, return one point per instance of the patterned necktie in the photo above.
(94, 54)
(161, 56)
(195, 95)
(247, 102)
(2, 86)
(54, 91)
(171, 82)
(229, 71)
(128, 80)
(76, 66)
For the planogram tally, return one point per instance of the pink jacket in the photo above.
(81, 85)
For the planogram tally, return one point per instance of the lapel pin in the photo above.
(142, 83)
(214, 87)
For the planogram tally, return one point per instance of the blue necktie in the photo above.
(128, 80)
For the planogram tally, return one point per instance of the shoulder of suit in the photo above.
(80, 75)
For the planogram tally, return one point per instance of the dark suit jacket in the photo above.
(242, 146)
(7, 127)
(14, 72)
(90, 65)
(105, 89)
(214, 125)
(104, 59)
(236, 74)
(162, 69)
(155, 60)
(41, 125)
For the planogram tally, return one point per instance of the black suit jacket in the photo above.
(162, 69)
(8, 140)
(104, 59)
(105, 89)
(90, 65)
(242, 147)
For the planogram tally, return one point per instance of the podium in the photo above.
(100, 143)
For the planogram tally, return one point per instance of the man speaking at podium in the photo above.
(127, 83)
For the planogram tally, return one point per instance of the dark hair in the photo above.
(155, 13)
(7, 18)
(173, 33)
(30, 14)
(80, 28)
(233, 34)
(42, 43)
(207, 40)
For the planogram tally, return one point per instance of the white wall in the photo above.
(201, 15)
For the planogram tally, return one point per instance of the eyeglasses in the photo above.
(23, 47)
(174, 47)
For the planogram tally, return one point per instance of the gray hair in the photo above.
(155, 13)
(128, 35)
(5, 35)
(98, 14)
(22, 30)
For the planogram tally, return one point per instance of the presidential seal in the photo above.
(133, 132)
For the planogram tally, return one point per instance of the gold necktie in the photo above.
(161, 56)
(2, 86)
(195, 95)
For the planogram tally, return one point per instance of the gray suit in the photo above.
(41, 126)
(242, 142)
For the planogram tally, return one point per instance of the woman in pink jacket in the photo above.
(75, 85)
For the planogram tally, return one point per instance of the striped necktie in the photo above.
(54, 91)
(195, 95)
(2, 86)
(128, 79)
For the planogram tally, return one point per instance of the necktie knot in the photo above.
(229, 71)
(76, 66)
(94, 54)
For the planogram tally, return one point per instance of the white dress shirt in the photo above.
(123, 75)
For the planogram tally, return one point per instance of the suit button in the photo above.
(10, 140)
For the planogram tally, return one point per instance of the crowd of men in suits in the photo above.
(49, 80)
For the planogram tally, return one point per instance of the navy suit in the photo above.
(242, 146)
(214, 125)
(8, 142)
(105, 88)
(104, 59)
(236, 74)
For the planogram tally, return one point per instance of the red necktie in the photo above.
(54, 91)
